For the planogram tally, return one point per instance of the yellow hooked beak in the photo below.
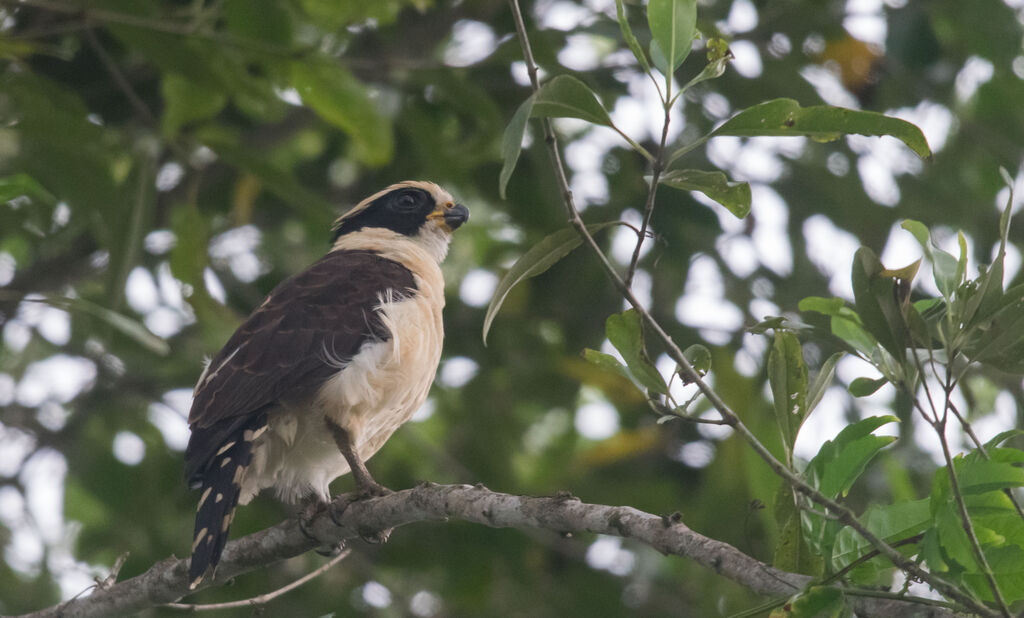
(449, 215)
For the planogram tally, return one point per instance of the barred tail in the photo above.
(221, 486)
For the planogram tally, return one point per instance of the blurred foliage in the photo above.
(198, 151)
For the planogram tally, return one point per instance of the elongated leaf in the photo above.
(787, 375)
(512, 143)
(862, 387)
(982, 475)
(567, 97)
(625, 332)
(791, 551)
(989, 296)
(538, 259)
(340, 99)
(630, 38)
(735, 196)
(673, 25)
(945, 270)
(826, 306)
(852, 333)
(821, 122)
(1003, 437)
(18, 185)
(876, 304)
(822, 381)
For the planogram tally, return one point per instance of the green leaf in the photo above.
(270, 24)
(826, 306)
(920, 232)
(625, 332)
(983, 475)
(735, 196)
(890, 522)
(718, 57)
(673, 25)
(955, 543)
(822, 381)
(815, 602)
(512, 143)
(630, 38)
(787, 375)
(1007, 565)
(699, 357)
(822, 122)
(850, 462)
(187, 101)
(989, 296)
(567, 97)
(842, 460)
(791, 550)
(945, 269)
(340, 99)
(189, 256)
(769, 323)
(281, 182)
(538, 259)
(876, 303)
(23, 185)
(862, 387)
(606, 361)
(1003, 437)
(851, 332)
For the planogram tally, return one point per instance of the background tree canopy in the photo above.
(163, 164)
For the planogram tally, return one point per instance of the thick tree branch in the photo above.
(167, 581)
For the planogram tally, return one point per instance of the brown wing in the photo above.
(309, 326)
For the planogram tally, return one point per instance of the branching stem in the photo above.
(845, 515)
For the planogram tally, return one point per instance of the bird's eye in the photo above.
(406, 201)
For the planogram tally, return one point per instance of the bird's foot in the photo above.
(310, 510)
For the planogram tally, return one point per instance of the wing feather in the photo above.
(307, 327)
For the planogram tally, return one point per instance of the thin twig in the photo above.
(656, 167)
(965, 517)
(846, 516)
(119, 78)
(883, 594)
(262, 599)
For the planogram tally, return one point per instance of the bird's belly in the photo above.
(371, 396)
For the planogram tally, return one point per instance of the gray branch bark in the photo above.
(167, 581)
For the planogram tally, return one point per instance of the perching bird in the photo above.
(324, 371)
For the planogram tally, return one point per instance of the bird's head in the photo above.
(421, 211)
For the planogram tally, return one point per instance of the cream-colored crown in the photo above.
(440, 197)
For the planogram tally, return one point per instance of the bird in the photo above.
(330, 364)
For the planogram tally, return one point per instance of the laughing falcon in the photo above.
(324, 371)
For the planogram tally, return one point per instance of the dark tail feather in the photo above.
(221, 485)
